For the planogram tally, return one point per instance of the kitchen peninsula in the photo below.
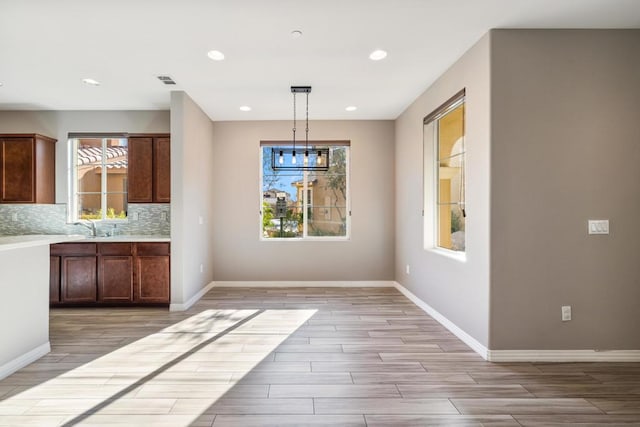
(24, 298)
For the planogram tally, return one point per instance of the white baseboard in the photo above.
(452, 327)
(523, 355)
(308, 284)
(564, 355)
(24, 360)
(194, 299)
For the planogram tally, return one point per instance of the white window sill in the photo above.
(306, 239)
(458, 256)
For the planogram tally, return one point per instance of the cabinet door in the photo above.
(115, 279)
(18, 173)
(140, 170)
(54, 279)
(78, 279)
(152, 279)
(162, 170)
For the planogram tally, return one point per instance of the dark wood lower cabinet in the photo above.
(110, 273)
(54, 279)
(152, 272)
(115, 279)
(152, 279)
(115, 272)
(78, 278)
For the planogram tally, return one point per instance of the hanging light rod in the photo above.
(286, 157)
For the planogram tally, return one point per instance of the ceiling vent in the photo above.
(166, 80)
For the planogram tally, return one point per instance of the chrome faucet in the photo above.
(91, 226)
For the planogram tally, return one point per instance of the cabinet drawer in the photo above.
(152, 249)
(114, 249)
(73, 249)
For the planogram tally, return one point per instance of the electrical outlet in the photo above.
(200, 220)
(408, 269)
(163, 216)
(14, 216)
(135, 216)
(566, 313)
(598, 226)
(201, 268)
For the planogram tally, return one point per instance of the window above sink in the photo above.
(98, 177)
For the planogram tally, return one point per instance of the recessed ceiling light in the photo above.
(91, 82)
(216, 55)
(0, 84)
(377, 55)
(296, 33)
(351, 108)
(245, 108)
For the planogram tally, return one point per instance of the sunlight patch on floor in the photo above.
(197, 360)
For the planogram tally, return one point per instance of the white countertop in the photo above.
(127, 238)
(29, 240)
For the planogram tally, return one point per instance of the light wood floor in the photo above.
(297, 356)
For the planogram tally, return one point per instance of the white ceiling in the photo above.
(47, 48)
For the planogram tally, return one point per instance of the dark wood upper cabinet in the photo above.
(27, 168)
(149, 169)
(140, 170)
(162, 170)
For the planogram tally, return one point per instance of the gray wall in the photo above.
(191, 198)
(459, 290)
(239, 253)
(565, 149)
(57, 124)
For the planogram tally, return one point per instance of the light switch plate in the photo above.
(598, 226)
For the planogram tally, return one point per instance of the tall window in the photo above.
(98, 178)
(316, 203)
(444, 148)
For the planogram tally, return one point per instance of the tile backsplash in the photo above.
(152, 219)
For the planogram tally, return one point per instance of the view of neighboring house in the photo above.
(326, 205)
(90, 165)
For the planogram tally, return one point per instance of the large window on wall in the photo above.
(299, 204)
(445, 211)
(98, 184)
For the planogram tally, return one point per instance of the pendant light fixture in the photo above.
(314, 158)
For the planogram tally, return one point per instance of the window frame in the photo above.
(73, 194)
(431, 183)
(305, 191)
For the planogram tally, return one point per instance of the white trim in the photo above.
(523, 355)
(194, 299)
(458, 256)
(564, 355)
(307, 284)
(21, 361)
(452, 327)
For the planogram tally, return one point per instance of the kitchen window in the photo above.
(445, 210)
(317, 201)
(98, 177)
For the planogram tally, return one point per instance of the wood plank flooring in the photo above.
(293, 357)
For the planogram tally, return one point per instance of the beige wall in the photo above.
(58, 124)
(192, 175)
(566, 148)
(458, 290)
(239, 253)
